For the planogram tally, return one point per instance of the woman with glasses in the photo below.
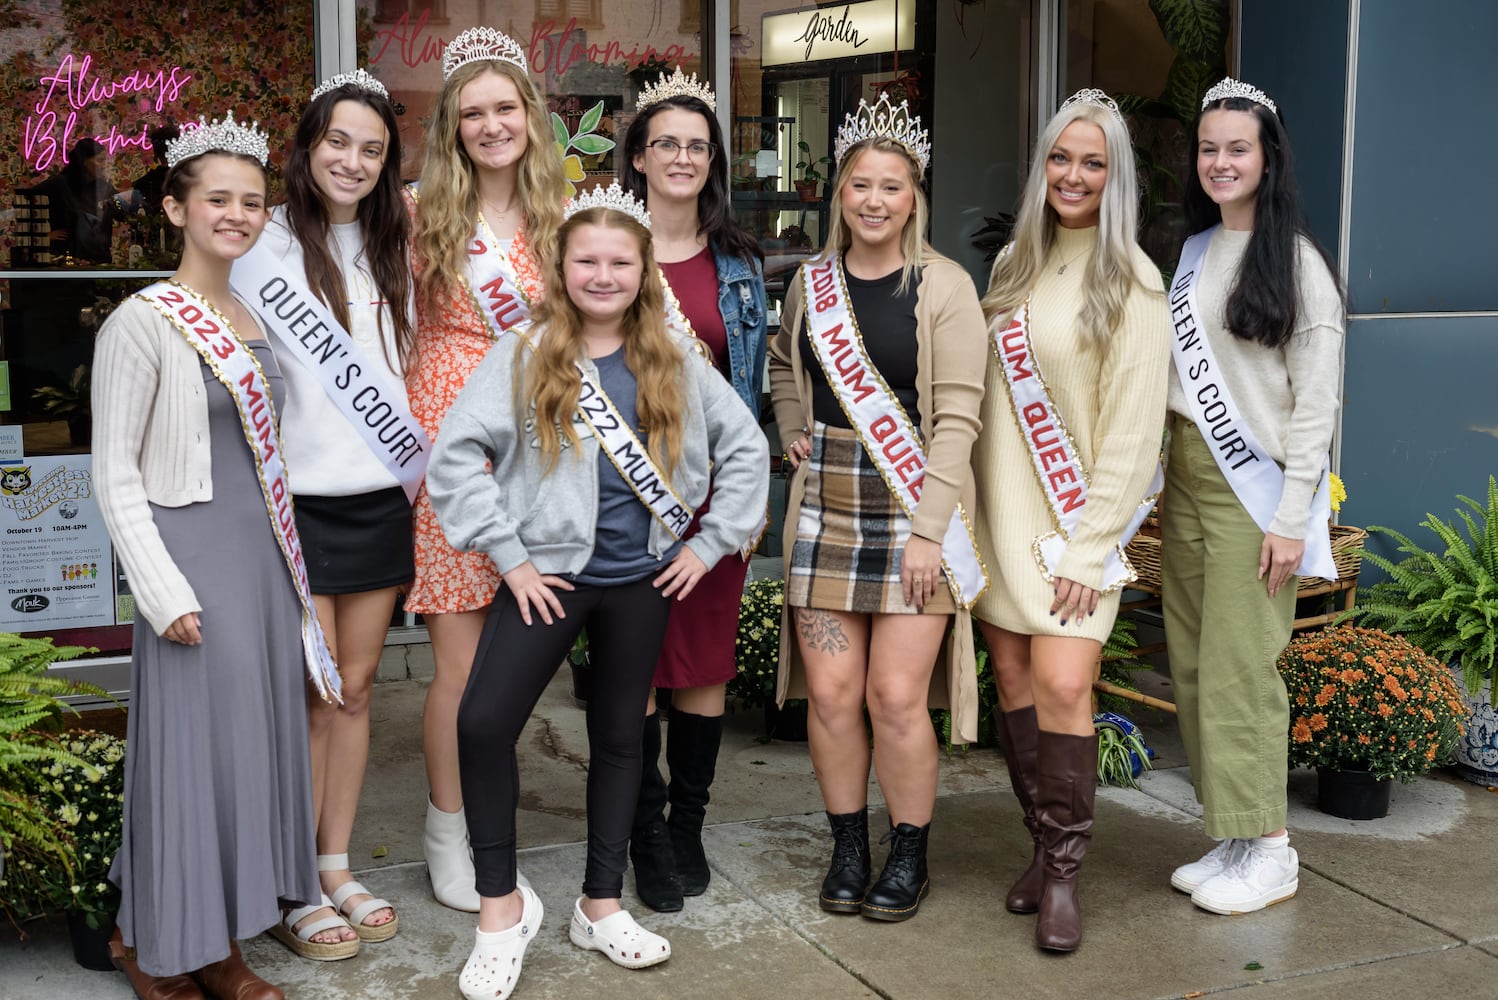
(674, 163)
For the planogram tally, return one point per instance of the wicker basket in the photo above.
(1144, 553)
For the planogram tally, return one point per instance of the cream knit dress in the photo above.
(1112, 398)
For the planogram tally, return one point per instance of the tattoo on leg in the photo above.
(820, 630)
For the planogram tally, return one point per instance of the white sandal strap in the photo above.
(356, 916)
(328, 923)
(332, 862)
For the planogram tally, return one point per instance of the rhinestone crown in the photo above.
(884, 119)
(359, 78)
(1095, 97)
(678, 84)
(1237, 88)
(614, 197)
(219, 136)
(479, 43)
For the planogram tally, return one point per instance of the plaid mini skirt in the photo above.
(850, 535)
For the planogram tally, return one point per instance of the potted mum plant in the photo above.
(1367, 707)
(757, 650)
(1445, 600)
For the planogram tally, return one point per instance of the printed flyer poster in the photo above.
(58, 570)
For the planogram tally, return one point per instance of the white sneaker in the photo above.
(1254, 880)
(1190, 876)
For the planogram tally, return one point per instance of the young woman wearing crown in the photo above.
(1079, 353)
(336, 255)
(876, 380)
(486, 213)
(1253, 401)
(218, 824)
(674, 162)
(574, 458)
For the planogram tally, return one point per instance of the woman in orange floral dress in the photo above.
(488, 204)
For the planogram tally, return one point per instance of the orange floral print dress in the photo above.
(451, 340)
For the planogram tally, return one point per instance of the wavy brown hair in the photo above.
(550, 383)
(448, 194)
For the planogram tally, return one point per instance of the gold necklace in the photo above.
(1074, 259)
(495, 208)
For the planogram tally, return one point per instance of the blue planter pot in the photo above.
(1477, 751)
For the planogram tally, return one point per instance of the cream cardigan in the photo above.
(150, 447)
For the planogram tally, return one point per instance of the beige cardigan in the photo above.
(150, 447)
(951, 353)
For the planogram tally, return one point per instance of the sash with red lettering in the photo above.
(368, 396)
(1256, 479)
(492, 284)
(1057, 463)
(235, 365)
(883, 427)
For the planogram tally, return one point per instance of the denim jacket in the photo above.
(741, 300)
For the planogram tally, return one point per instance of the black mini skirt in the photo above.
(356, 543)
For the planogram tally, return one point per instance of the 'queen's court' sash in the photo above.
(1057, 463)
(367, 395)
(235, 365)
(882, 424)
(1256, 479)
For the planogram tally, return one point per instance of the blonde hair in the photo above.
(449, 196)
(550, 382)
(913, 244)
(1111, 273)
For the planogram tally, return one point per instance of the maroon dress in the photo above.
(699, 646)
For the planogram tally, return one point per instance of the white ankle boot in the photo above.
(449, 864)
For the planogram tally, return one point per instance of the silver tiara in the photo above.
(884, 119)
(614, 197)
(359, 78)
(221, 136)
(1237, 88)
(678, 84)
(482, 43)
(1094, 97)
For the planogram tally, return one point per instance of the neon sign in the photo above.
(549, 48)
(49, 130)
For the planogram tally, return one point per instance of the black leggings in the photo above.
(514, 663)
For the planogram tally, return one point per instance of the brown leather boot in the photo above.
(231, 979)
(1018, 732)
(1067, 768)
(146, 987)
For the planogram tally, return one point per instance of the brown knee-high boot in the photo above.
(1067, 767)
(1018, 733)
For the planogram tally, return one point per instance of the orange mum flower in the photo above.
(1318, 722)
(1300, 732)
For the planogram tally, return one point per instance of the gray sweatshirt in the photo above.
(513, 513)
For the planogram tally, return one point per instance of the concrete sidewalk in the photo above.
(1397, 908)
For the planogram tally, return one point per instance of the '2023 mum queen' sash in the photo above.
(367, 395)
(233, 364)
(1256, 479)
(1054, 456)
(882, 424)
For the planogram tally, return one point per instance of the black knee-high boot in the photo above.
(692, 743)
(649, 843)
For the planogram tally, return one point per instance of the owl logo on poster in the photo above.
(15, 480)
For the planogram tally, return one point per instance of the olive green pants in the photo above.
(1223, 634)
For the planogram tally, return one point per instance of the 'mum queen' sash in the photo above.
(1256, 479)
(492, 285)
(233, 364)
(1054, 456)
(365, 394)
(882, 424)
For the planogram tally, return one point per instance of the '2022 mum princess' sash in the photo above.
(1054, 456)
(1256, 479)
(883, 427)
(235, 365)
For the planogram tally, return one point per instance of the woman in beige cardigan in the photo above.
(865, 578)
(1071, 435)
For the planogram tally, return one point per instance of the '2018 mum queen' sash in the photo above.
(1054, 456)
(1256, 479)
(367, 395)
(883, 426)
(233, 364)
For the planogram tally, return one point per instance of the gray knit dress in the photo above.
(218, 828)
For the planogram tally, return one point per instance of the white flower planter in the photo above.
(1477, 751)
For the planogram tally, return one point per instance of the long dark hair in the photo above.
(714, 214)
(1264, 302)
(383, 223)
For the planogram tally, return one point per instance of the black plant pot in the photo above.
(1352, 794)
(90, 947)
(582, 683)
(788, 723)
